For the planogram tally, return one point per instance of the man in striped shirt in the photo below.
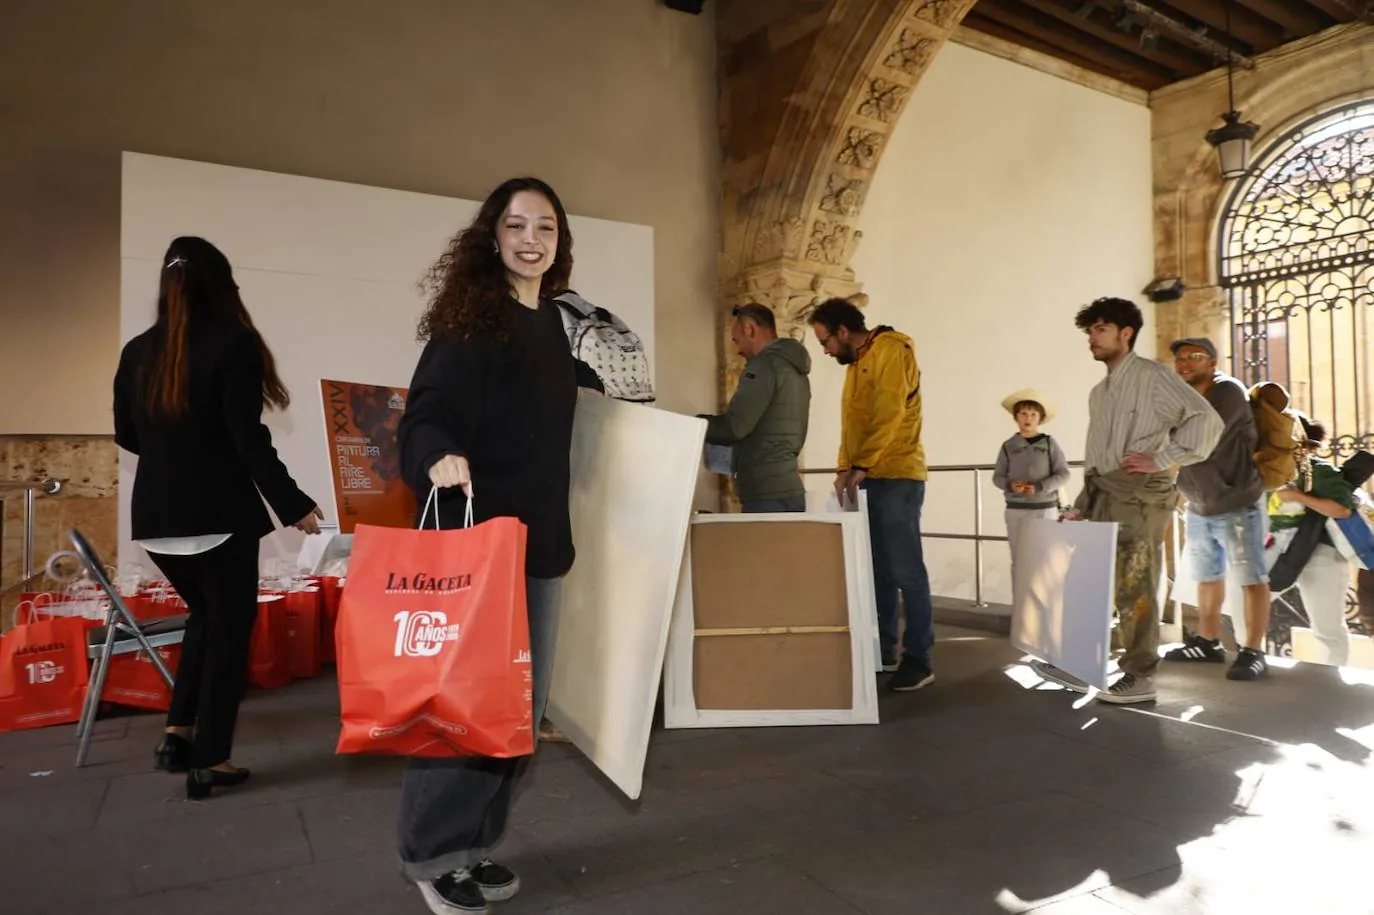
(1143, 421)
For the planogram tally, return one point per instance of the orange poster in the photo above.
(360, 422)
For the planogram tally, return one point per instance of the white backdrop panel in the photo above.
(634, 471)
(1062, 595)
(329, 272)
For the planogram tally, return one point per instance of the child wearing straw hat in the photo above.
(1031, 468)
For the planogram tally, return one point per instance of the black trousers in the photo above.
(220, 588)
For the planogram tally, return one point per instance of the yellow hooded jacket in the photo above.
(880, 425)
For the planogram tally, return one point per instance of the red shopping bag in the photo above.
(330, 592)
(269, 665)
(133, 679)
(43, 673)
(433, 643)
(302, 612)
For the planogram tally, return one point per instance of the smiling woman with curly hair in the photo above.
(489, 420)
(470, 284)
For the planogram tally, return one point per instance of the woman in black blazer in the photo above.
(188, 400)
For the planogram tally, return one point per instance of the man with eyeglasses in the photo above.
(880, 451)
(1225, 520)
(767, 416)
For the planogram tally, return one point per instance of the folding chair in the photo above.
(121, 634)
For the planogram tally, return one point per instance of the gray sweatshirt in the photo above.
(1228, 480)
(1040, 461)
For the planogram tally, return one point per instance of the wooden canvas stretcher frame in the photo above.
(679, 701)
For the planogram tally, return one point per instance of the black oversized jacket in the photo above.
(201, 474)
(509, 410)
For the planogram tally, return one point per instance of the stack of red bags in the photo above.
(45, 672)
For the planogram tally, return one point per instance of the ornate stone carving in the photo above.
(883, 100)
(940, 12)
(829, 242)
(850, 248)
(843, 195)
(911, 53)
(781, 239)
(861, 148)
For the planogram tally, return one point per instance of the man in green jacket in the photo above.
(766, 419)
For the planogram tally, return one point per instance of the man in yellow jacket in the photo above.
(880, 452)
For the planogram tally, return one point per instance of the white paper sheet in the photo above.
(718, 459)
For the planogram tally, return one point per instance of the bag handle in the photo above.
(433, 499)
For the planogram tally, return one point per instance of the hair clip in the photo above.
(175, 262)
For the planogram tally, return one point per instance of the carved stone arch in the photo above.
(810, 93)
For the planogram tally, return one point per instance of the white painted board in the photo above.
(329, 272)
(833, 503)
(1062, 595)
(679, 698)
(634, 472)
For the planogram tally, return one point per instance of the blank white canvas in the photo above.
(1062, 595)
(679, 695)
(634, 472)
(329, 271)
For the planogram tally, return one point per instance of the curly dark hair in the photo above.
(468, 285)
(1122, 313)
(832, 314)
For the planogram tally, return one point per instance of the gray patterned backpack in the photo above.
(607, 344)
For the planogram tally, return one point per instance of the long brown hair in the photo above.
(197, 289)
(468, 285)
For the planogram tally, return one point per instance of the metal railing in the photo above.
(30, 492)
(1171, 619)
(978, 538)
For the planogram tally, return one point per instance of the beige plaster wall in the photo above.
(1007, 198)
(612, 101)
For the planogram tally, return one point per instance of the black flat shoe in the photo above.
(173, 754)
(199, 782)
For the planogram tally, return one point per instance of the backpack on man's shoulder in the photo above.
(607, 344)
(1280, 435)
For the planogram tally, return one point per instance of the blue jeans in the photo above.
(454, 810)
(899, 565)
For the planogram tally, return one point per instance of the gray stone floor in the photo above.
(985, 793)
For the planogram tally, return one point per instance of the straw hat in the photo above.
(1015, 397)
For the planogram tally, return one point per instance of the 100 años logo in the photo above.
(422, 633)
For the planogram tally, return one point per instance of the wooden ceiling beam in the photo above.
(1297, 17)
(1250, 33)
(1047, 29)
(981, 23)
(1099, 24)
(1341, 10)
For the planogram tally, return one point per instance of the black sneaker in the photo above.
(455, 892)
(1249, 665)
(1196, 648)
(890, 665)
(497, 881)
(911, 675)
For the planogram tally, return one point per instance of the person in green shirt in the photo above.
(1325, 579)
